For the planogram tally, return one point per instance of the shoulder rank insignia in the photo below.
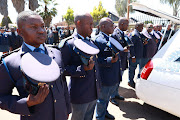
(63, 41)
(9, 53)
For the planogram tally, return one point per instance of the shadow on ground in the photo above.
(134, 110)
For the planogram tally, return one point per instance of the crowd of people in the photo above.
(10, 40)
(95, 66)
(55, 34)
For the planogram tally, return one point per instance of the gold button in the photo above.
(29, 115)
(51, 86)
(55, 100)
(95, 70)
(23, 115)
(84, 75)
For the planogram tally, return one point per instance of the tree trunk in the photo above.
(47, 21)
(6, 21)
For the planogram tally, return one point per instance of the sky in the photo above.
(81, 6)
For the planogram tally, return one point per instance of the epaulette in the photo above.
(9, 53)
(52, 46)
(96, 37)
(63, 41)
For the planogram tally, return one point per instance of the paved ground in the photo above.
(130, 109)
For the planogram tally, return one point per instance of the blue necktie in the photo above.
(37, 50)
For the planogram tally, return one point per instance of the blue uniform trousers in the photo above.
(133, 66)
(103, 101)
(116, 92)
(83, 111)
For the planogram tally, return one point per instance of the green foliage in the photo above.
(69, 17)
(98, 13)
(146, 22)
(47, 10)
(175, 4)
(121, 7)
(6, 21)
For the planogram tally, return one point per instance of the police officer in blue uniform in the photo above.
(4, 45)
(15, 40)
(51, 102)
(109, 67)
(119, 35)
(83, 74)
(136, 52)
(150, 48)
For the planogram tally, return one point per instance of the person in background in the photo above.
(55, 35)
(167, 34)
(4, 43)
(136, 52)
(155, 34)
(150, 48)
(15, 40)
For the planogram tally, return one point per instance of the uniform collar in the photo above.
(80, 36)
(32, 47)
(105, 35)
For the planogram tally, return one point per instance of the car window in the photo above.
(173, 56)
(170, 49)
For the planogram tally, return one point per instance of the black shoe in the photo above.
(113, 101)
(132, 84)
(139, 75)
(119, 97)
(109, 116)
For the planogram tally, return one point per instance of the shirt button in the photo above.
(55, 100)
(95, 70)
(51, 86)
(29, 115)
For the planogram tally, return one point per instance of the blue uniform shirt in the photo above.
(110, 73)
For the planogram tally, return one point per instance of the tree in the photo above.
(175, 4)
(98, 13)
(121, 7)
(18, 5)
(146, 22)
(5, 22)
(69, 17)
(47, 11)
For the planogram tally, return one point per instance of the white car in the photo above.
(159, 84)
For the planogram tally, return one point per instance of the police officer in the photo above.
(119, 35)
(136, 52)
(15, 41)
(167, 34)
(4, 45)
(109, 67)
(151, 47)
(84, 74)
(52, 100)
(55, 35)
